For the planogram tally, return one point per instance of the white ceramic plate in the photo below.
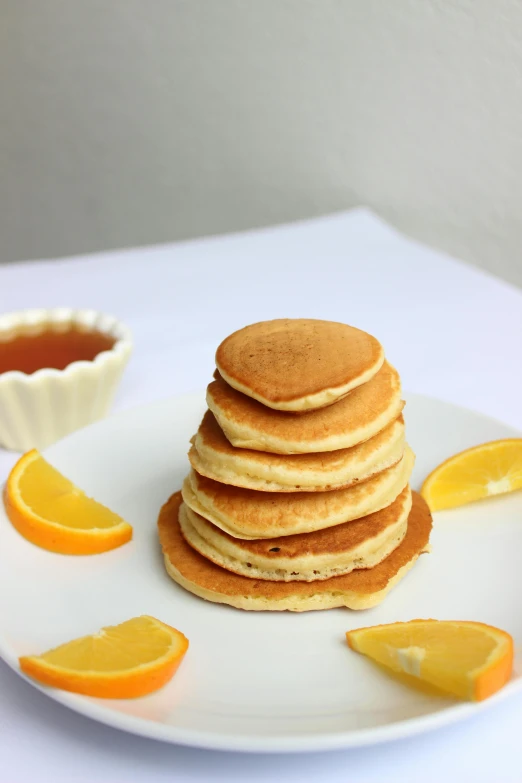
(256, 681)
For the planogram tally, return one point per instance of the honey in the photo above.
(28, 353)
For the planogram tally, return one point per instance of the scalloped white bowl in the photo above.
(39, 409)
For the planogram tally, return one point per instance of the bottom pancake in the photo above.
(358, 590)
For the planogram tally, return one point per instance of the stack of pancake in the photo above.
(299, 494)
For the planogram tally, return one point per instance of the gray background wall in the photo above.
(138, 121)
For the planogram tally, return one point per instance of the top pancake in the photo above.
(358, 417)
(298, 364)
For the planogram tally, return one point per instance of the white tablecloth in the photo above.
(453, 332)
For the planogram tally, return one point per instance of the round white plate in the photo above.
(256, 681)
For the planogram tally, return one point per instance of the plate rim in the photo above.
(309, 743)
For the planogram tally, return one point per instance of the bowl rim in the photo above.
(104, 322)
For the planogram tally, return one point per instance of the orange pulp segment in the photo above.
(480, 472)
(122, 661)
(467, 659)
(48, 510)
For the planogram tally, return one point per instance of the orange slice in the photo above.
(469, 660)
(119, 662)
(486, 470)
(47, 509)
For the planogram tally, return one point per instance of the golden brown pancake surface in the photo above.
(307, 557)
(247, 513)
(329, 540)
(360, 415)
(358, 589)
(212, 455)
(298, 364)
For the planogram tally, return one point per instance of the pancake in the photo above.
(358, 417)
(307, 557)
(358, 590)
(212, 455)
(246, 513)
(298, 364)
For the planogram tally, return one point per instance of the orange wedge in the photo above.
(119, 662)
(481, 472)
(469, 660)
(47, 509)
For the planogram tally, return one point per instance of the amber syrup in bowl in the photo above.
(52, 349)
